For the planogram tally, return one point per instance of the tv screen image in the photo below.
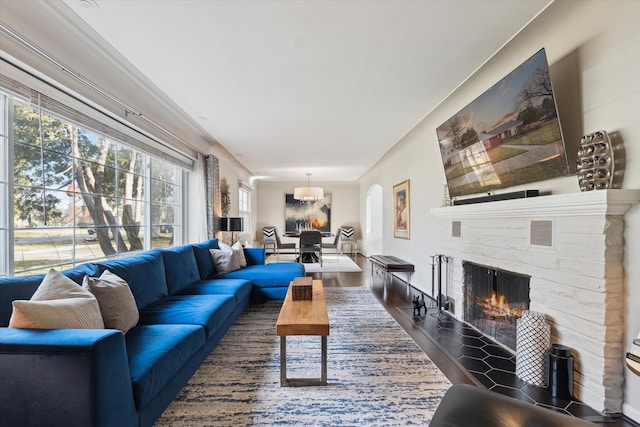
(510, 135)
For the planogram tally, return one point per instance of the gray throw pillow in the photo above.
(238, 252)
(224, 259)
(117, 304)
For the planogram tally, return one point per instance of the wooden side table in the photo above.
(303, 317)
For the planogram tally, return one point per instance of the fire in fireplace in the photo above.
(494, 301)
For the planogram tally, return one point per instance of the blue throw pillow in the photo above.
(180, 267)
(78, 272)
(144, 273)
(203, 257)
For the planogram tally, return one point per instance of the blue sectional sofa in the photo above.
(102, 377)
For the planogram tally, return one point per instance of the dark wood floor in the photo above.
(395, 296)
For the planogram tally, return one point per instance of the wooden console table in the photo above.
(303, 317)
(391, 264)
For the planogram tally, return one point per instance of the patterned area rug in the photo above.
(331, 263)
(377, 375)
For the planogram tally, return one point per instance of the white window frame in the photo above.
(244, 207)
(7, 248)
(5, 230)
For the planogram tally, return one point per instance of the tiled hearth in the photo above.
(492, 365)
(572, 248)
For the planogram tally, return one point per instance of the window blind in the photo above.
(82, 113)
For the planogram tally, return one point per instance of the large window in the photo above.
(78, 194)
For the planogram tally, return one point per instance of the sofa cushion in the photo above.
(58, 303)
(255, 256)
(239, 288)
(203, 257)
(180, 267)
(117, 305)
(277, 274)
(210, 311)
(156, 353)
(78, 272)
(144, 273)
(224, 259)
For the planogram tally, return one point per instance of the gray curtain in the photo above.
(212, 197)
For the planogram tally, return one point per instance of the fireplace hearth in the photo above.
(494, 301)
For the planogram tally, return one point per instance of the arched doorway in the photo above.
(373, 232)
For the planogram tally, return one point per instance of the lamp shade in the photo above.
(308, 193)
(231, 224)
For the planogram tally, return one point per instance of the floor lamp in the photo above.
(231, 224)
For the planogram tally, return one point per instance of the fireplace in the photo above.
(494, 300)
(572, 246)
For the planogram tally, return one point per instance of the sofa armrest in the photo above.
(255, 256)
(65, 377)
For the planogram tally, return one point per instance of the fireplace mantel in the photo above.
(600, 202)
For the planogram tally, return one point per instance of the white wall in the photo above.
(373, 225)
(195, 212)
(234, 172)
(345, 208)
(593, 49)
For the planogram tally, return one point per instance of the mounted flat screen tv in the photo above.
(510, 135)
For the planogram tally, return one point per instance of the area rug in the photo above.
(377, 374)
(332, 263)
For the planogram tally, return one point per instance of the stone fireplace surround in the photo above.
(572, 246)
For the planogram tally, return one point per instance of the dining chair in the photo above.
(334, 244)
(271, 239)
(311, 243)
(348, 237)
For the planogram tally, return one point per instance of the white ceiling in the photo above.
(295, 87)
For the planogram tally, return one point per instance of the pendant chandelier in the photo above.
(308, 193)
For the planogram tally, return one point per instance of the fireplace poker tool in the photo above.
(442, 301)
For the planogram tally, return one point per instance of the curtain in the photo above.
(212, 195)
(196, 188)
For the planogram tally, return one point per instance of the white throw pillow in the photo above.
(117, 304)
(224, 259)
(238, 251)
(58, 303)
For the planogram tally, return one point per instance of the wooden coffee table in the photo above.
(303, 317)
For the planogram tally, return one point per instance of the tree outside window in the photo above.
(79, 195)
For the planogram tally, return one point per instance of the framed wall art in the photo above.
(401, 210)
(306, 215)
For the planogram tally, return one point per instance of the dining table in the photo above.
(307, 257)
(296, 233)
